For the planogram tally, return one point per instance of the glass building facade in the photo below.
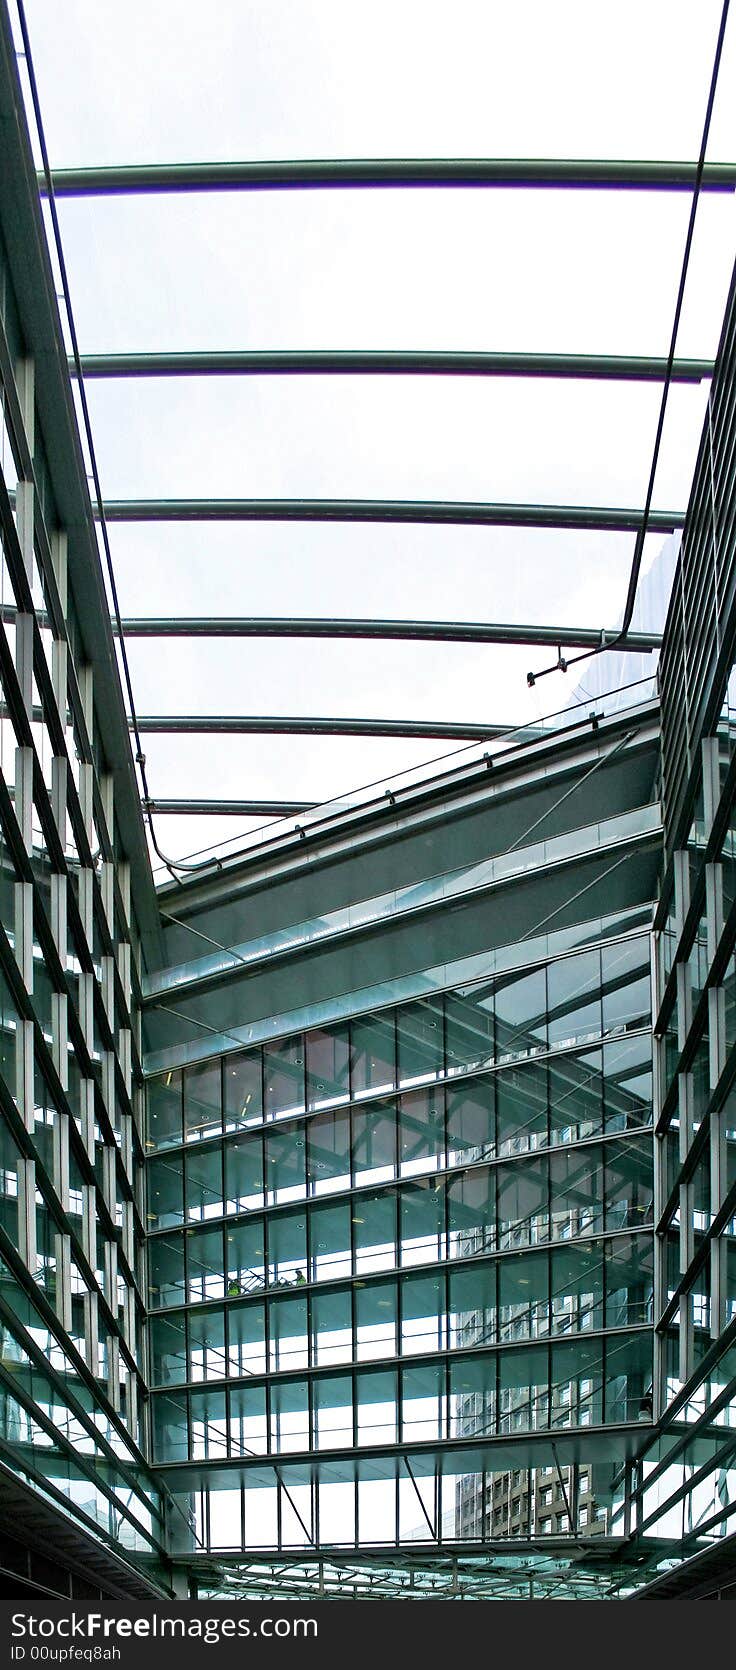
(370, 1194)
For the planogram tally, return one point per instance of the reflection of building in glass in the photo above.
(346, 1231)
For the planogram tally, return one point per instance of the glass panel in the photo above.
(248, 1434)
(627, 999)
(628, 1184)
(287, 1321)
(373, 1044)
(577, 1288)
(473, 1307)
(576, 1097)
(521, 1019)
(470, 1031)
(471, 1202)
(289, 1417)
(333, 1412)
(523, 1203)
(629, 1281)
(420, 1039)
(287, 1248)
(328, 1150)
(627, 1070)
(374, 1228)
(204, 1184)
(628, 1378)
(424, 1418)
(521, 1109)
(165, 1193)
(473, 1396)
(374, 1143)
(283, 1071)
(375, 1320)
(421, 1131)
(328, 1066)
(523, 1390)
(576, 1179)
(573, 987)
(9, 1168)
(168, 1350)
(471, 1121)
(523, 1296)
(422, 1216)
(332, 1334)
(423, 1317)
(246, 1335)
(246, 1326)
(330, 1240)
(202, 1101)
(166, 1271)
(165, 1111)
(244, 1173)
(376, 1397)
(170, 1438)
(208, 1425)
(243, 1094)
(207, 1355)
(205, 1279)
(286, 1173)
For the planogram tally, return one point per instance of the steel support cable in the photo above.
(140, 756)
(563, 663)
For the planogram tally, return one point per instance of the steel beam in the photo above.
(429, 631)
(612, 520)
(237, 724)
(230, 808)
(389, 172)
(602, 367)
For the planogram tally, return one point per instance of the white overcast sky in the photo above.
(166, 80)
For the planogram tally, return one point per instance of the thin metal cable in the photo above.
(563, 664)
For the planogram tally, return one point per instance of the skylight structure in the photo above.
(367, 928)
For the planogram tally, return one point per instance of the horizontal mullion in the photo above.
(258, 725)
(539, 173)
(318, 363)
(541, 1437)
(456, 513)
(229, 808)
(430, 631)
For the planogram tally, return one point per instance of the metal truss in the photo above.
(520, 1570)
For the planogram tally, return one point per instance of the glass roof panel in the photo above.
(474, 270)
